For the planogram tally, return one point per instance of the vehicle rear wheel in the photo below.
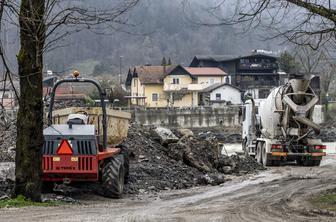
(125, 153)
(316, 162)
(308, 162)
(299, 161)
(258, 153)
(276, 162)
(265, 160)
(113, 177)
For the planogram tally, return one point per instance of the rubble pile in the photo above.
(158, 162)
(7, 174)
(328, 131)
(150, 168)
(7, 142)
(221, 135)
(61, 104)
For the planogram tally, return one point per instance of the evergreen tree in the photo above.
(169, 61)
(164, 62)
(288, 63)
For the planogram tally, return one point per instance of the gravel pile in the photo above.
(189, 162)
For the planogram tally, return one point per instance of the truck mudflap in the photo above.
(317, 154)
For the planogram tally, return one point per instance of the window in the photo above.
(218, 96)
(176, 81)
(211, 81)
(155, 97)
(135, 81)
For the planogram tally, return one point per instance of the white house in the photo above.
(220, 94)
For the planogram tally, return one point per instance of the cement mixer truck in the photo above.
(281, 127)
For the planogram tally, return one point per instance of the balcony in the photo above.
(175, 87)
(257, 84)
(257, 66)
(188, 87)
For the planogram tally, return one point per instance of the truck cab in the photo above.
(250, 123)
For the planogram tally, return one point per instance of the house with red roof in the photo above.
(171, 86)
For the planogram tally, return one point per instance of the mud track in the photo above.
(278, 194)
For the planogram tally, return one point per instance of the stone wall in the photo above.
(189, 118)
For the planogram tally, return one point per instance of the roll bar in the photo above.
(81, 80)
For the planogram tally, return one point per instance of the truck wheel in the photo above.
(316, 162)
(125, 153)
(245, 148)
(276, 162)
(113, 177)
(265, 159)
(258, 153)
(299, 161)
(307, 162)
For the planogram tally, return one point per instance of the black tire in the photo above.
(265, 160)
(299, 161)
(113, 177)
(47, 187)
(276, 162)
(125, 153)
(316, 162)
(258, 156)
(307, 162)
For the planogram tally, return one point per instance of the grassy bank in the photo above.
(325, 200)
(21, 201)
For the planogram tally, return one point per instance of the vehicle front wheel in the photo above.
(113, 177)
(258, 156)
(265, 160)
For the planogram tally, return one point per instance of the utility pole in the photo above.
(120, 78)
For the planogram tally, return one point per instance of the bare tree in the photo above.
(310, 60)
(39, 24)
(303, 22)
(327, 70)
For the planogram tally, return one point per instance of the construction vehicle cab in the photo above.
(76, 144)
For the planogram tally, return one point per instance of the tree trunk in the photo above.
(30, 116)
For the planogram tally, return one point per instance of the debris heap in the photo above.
(158, 162)
(328, 131)
(7, 141)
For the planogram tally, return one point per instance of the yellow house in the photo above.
(170, 86)
(146, 88)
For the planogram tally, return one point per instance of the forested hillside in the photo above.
(154, 29)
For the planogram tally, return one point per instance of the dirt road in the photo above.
(278, 194)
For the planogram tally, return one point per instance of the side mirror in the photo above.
(248, 96)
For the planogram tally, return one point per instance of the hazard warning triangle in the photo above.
(64, 148)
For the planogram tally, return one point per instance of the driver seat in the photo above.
(77, 119)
